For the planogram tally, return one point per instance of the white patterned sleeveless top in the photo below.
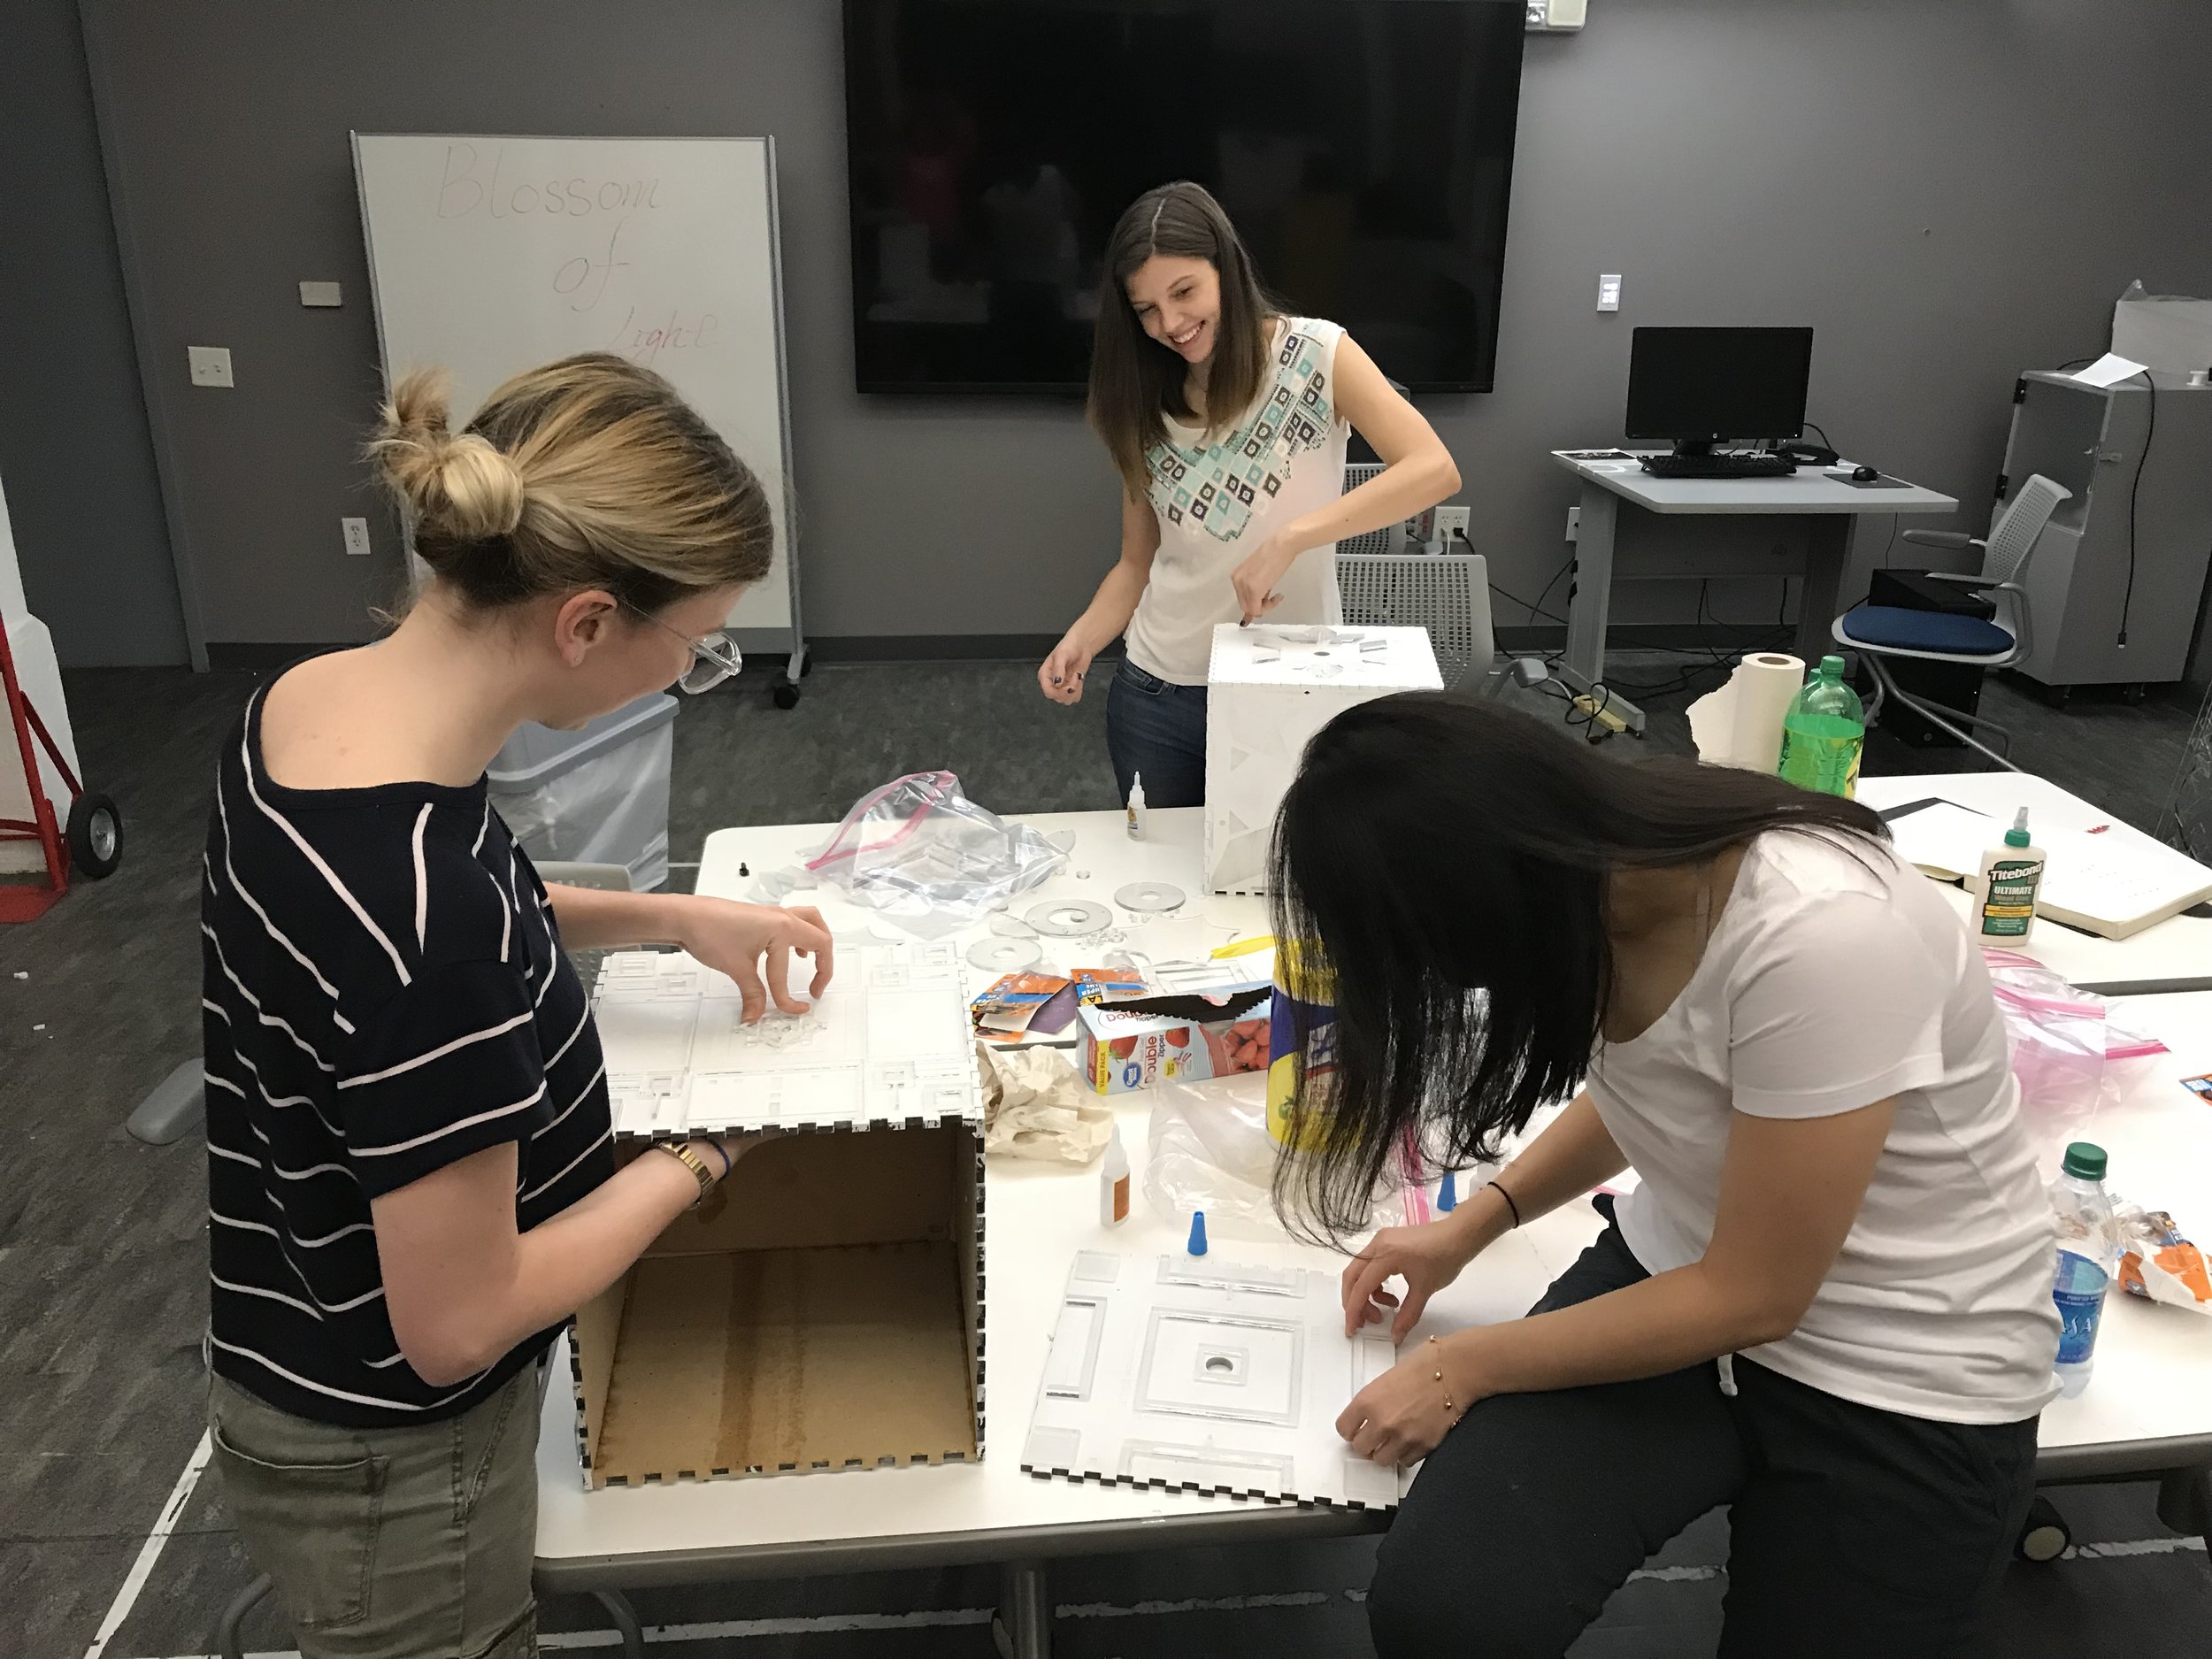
(1219, 495)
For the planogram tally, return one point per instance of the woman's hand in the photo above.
(1427, 1258)
(1254, 580)
(1061, 676)
(1398, 1418)
(731, 938)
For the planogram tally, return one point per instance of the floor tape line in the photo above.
(150, 1552)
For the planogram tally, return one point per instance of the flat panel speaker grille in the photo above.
(1382, 540)
(1448, 594)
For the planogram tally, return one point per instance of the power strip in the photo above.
(1600, 713)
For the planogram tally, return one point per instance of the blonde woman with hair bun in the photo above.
(412, 1181)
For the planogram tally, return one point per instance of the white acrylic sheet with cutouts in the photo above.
(889, 1043)
(1202, 1374)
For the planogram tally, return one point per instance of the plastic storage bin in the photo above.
(596, 796)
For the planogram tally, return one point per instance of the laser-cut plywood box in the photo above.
(1195, 1374)
(1268, 690)
(829, 1312)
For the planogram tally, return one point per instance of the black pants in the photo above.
(1854, 1531)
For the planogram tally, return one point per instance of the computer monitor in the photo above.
(1699, 385)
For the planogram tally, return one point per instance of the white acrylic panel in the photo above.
(889, 1043)
(1270, 690)
(1197, 1373)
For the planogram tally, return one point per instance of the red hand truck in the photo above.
(92, 838)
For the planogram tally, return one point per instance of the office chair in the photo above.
(2186, 823)
(1936, 636)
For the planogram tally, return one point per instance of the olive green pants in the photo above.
(406, 1543)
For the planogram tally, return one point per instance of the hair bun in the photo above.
(459, 487)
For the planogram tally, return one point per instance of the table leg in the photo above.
(1829, 546)
(1588, 601)
(1591, 585)
(625, 1617)
(1025, 1611)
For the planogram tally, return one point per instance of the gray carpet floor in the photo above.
(102, 1253)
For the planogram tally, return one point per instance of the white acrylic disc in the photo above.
(1069, 918)
(1151, 896)
(1004, 956)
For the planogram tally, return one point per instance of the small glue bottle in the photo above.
(1113, 1182)
(1136, 806)
(2005, 891)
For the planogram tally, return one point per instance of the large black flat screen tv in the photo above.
(1365, 148)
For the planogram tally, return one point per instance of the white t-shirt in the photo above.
(1828, 985)
(1219, 495)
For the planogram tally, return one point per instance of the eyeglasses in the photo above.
(714, 656)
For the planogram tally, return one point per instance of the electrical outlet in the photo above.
(356, 533)
(1574, 524)
(1608, 293)
(322, 294)
(1453, 522)
(209, 365)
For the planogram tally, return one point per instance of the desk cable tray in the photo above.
(887, 1046)
(1190, 1374)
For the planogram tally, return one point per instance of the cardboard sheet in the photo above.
(762, 1361)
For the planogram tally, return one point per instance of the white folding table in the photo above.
(2149, 1413)
(1799, 524)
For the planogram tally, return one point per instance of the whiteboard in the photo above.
(491, 255)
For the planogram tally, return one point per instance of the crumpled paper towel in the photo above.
(1034, 1106)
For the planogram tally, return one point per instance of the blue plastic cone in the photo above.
(1448, 1195)
(1198, 1233)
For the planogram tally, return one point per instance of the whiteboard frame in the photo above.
(793, 638)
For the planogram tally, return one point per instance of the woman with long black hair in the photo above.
(1827, 1301)
(1227, 420)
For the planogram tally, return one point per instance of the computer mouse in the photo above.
(1865, 475)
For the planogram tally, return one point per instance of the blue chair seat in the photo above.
(1925, 631)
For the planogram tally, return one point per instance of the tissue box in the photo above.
(828, 1312)
(1268, 689)
(1133, 1043)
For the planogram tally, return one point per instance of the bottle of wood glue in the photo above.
(2005, 891)
(1113, 1182)
(1136, 806)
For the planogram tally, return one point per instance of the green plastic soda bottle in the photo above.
(1823, 733)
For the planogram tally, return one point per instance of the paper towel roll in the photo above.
(1740, 724)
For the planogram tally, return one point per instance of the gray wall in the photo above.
(75, 451)
(1948, 193)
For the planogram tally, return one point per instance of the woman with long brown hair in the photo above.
(411, 1179)
(1227, 420)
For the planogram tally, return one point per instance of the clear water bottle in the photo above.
(1823, 733)
(2087, 1257)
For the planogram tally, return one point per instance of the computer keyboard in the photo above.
(1719, 465)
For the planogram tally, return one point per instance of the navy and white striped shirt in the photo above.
(383, 992)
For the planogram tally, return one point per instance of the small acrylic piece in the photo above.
(1448, 1195)
(1197, 1246)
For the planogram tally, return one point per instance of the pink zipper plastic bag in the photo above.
(2069, 1055)
(921, 852)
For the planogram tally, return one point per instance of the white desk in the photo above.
(2175, 955)
(1760, 513)
(2145, 1415)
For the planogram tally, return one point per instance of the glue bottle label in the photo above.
(2008, 909)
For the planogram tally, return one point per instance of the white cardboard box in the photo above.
(1269, 689)
(828, 1312)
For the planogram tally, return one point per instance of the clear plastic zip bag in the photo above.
(2070, 1058)
(930, 860)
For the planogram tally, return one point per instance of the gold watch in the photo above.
(681, 1152)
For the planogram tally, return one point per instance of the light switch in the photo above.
(321, 294)
(211, 364)
(1608, 293)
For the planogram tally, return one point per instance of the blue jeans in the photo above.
(1159, 730)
